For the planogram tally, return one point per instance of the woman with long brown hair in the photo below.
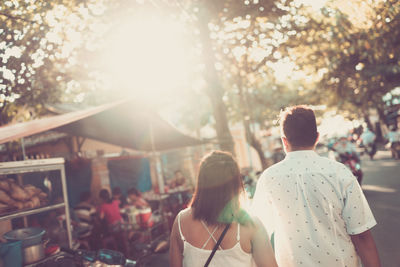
(215, 211)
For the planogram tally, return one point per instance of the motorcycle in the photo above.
(370, 149)
(351, 161)
(67, 257)
(101, 258)
(395, 149)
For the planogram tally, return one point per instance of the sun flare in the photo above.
(147, 57)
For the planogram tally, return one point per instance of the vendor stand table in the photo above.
(152, 230)
(41, 165)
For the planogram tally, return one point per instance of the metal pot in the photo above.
(33, 253)
(32, 244)
(29, 236)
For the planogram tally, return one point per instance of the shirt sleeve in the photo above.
(356, 212)
(262, 206)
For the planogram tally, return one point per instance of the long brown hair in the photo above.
(219, 185)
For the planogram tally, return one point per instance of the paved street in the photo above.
(382, 188)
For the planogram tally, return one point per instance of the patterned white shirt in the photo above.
(313, 205)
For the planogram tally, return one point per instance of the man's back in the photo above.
(312, 204)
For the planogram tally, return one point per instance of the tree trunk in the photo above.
(253, 141)
(214, 90)
(382, 121)
(256, 144)
(250, 136)
(368, 121)
(381, 114)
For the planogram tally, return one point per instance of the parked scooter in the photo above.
(67, 257)
(351, 160)
(101, 258)
(107, 258)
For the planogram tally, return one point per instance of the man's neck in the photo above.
(293, 149)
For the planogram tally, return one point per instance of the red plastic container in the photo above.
(145, 218)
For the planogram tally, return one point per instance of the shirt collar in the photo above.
(301, 154)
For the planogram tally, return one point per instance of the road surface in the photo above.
(381, 186)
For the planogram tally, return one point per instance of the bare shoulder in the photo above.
(181, 216)
(185, 214)
(184, 217)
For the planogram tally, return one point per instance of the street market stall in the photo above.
(19, 191)
(126, 123)
(121, 123)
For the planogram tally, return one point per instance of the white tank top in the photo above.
(197, 257)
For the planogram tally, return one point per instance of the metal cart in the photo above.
(40, 165)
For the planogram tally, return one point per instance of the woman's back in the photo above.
(217, 201)
(111, 212)
(199, 240)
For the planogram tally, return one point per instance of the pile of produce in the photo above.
(15, 197)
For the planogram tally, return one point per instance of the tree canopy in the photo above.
(38, 47)
(345, 55)
(350, 47)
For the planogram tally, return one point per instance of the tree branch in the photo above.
(17, 18)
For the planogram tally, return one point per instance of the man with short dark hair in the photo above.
(314, 205)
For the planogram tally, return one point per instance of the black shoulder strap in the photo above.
(217, 245)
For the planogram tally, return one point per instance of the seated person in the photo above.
(117, 195)
(135, 198)
(109, 211)
(184, 194)
(179, 178)
(85, 213)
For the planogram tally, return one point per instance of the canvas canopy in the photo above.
(122, 123)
